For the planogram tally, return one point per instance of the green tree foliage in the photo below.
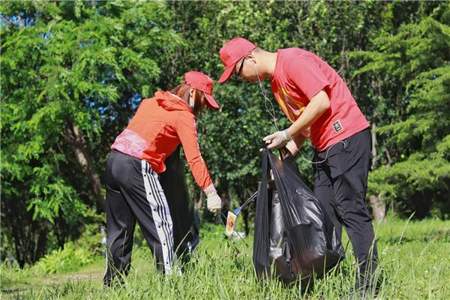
(72, 73)
(416, 61)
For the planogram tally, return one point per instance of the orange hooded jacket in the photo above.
(160, 124)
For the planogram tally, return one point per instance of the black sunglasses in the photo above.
(240, 68)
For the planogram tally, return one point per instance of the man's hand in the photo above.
(277, 140)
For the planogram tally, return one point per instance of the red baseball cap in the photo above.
(233, 51)
(202, 82)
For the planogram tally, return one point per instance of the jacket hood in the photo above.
(170, 102)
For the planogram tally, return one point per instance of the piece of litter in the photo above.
(231, 223)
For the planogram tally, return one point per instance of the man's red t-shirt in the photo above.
(299, 75)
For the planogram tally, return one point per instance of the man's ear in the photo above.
(252, 58)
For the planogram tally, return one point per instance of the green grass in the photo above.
(414, 261)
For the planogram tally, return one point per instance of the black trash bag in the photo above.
(186, 222)
(292, 230)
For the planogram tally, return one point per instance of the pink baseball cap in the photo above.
(202, 82)
(233, 51)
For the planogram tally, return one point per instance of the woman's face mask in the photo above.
(191, 101)
(196, 101)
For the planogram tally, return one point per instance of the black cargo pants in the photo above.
(340, 185)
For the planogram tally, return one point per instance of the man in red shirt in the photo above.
(133, 189)
(320, 106)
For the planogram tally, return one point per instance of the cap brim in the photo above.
(212, 103)
(227, 73)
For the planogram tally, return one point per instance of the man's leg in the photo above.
(324, 192)
(350, 193)
(357, 221)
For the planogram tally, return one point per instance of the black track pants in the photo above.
(135, 194)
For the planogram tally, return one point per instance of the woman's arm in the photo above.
(187, 132)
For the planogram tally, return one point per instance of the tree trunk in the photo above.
(378, 208)
(28, 237)
(41, 243)
(374, 145)
(376, 203)
(84, 158)
(421, 204)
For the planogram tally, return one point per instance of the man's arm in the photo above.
(317, 106)
(295, 144)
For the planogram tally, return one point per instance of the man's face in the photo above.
(246, 69)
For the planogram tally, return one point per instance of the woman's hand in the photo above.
(213, 201)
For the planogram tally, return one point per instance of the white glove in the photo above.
(213, 201)
(277, 140)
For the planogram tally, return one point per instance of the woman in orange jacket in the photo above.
(133, 190)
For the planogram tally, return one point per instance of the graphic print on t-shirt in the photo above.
(291, 108)
(285, 100)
